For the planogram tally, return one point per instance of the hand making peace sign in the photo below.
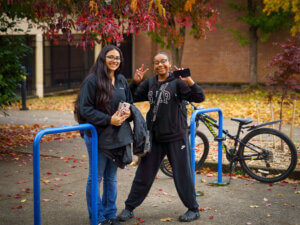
(139, 74)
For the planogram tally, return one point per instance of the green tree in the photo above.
(12, 51)
(285, 5)
(12, 72)
(261, 23)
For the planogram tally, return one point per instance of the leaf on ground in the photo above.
(280, 194)
(22, 181)
(17, 207)
(254, 206)
(141, 220)
(46, 200)
(166, 219)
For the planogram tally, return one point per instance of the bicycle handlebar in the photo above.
(199, 108)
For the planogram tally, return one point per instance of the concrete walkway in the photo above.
(64, 168)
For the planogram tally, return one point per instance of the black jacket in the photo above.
(139, 130)
(110, 138)
(115, 139)
(170, 124)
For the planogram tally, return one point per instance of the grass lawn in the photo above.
(241, 104)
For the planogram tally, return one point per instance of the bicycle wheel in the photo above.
(201, 152)
(267, 155)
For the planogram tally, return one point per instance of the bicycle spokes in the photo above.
(267, 155)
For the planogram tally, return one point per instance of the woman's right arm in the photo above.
(139, 88)
(139, 91)
(87, 105)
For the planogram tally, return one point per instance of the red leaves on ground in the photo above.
(17, 207)
(13, 136)
(141, 220)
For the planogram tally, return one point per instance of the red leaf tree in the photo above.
(286, 78)
(196, 16)
(101, 21)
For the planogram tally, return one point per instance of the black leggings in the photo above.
(180, 158)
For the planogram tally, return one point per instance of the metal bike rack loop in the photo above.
(220, 138)
(36, 167)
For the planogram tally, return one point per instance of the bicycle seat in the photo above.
(242, 120)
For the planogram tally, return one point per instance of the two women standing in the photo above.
(97, 104)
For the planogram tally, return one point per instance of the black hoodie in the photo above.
(170, 124)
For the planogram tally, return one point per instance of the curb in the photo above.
(225, 168)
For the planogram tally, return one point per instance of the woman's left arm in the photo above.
(189, 90)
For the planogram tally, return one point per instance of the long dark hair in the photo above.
(104, 89)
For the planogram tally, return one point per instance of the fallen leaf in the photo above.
(166, 219)
(17, 207)
(211, 217)
(23, 200)
(45, 200)
(22, 182)
(254, 206)
(268, 215)
(141, 220)
(280, 194)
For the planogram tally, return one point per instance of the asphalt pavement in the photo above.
(64, 169)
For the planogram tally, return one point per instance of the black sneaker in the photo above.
(106, 222)
(115, 221)
(189, 216)
(125, 215)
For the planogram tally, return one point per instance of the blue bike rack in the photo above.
(36, 167)
(192, 128)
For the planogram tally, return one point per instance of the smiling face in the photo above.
(112, 60)
(162, 65)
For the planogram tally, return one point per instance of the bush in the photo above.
(12, 72)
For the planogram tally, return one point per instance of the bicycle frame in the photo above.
(210, 122)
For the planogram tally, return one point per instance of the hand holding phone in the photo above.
(123, 106)
(183, 73)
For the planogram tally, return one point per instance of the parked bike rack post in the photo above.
(36, 167)
(219, 138)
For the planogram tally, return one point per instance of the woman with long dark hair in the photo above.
(97, 103)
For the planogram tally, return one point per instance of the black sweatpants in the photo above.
(180, 158)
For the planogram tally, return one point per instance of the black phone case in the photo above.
(182, 73)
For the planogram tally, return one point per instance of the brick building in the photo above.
(218, 59)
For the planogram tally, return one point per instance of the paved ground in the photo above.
(64, 171)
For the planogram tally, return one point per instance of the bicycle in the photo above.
(265, 154)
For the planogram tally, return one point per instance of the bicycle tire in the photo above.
(276, 164)
(201, 148)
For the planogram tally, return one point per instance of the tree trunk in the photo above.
(253, 56)
(178, 52)
(252, 46)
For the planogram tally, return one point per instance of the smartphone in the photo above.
(123, 106)
(183, 73)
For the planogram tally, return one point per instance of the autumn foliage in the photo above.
(286, 78)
